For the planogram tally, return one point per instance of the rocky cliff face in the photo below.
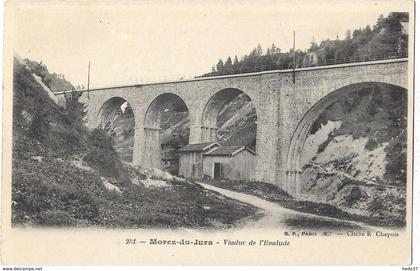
(237, 122)
(355, 155)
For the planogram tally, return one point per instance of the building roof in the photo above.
(198, 147)
(228, 151)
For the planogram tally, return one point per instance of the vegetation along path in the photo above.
(276, 216)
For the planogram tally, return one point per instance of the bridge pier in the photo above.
(146, 149)
(195, 134)
(152, 148)
(202, 134)
(293, 182)
(267, 136)
(209, 134)
(137, 145)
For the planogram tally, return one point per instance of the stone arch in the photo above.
(110, 110)
(297, 142)
(163, 103)
(211, 111)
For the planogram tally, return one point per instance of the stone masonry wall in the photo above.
(280, 105)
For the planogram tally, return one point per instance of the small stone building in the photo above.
(230, 162)
(214, 161)
(191, 159)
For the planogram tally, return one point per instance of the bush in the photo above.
(101, 155)
(39, 128)
(100, 139)
(371, 144)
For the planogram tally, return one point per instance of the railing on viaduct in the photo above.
(273, 67)
(310, 63)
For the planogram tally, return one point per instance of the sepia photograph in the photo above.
(211, 118)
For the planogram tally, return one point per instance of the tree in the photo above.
(259, 50)
(219, 66)
(314, 46)
(102, 155)
(274, 50)
(379, 23)
(228, 63)
(388, 35)
(76, 110)
(235, 60)
(348, 34)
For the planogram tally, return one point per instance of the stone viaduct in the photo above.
(285, 110)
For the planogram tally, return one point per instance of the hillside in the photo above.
(66, 175)
(56, 82)
(355, 155)
(388, 37)
(237, 122)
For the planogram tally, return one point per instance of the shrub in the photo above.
(101, 154)
(39, 128)
(371, 144)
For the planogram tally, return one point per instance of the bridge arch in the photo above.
(297, 142)
(110, 109)
(214, 106)
(165, 106)
(123, 134)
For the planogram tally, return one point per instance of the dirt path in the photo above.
(276, 216)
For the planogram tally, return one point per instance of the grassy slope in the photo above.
(50, 188)
(55, 192)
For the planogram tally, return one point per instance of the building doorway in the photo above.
(217, 173)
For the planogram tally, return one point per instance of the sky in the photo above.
(140, 42)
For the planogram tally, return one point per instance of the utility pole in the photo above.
(88, 79)
(294, 56)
